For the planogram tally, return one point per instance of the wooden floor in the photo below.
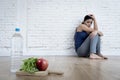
(74, 68)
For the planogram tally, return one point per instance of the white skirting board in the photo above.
(7, 52)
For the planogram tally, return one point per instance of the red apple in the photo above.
(42, 64)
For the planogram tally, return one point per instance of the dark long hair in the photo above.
(86, 18)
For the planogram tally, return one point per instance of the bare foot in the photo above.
(102, 56)
(94, 56)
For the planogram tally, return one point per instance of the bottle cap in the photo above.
(17, 29)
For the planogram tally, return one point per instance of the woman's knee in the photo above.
(93, 34)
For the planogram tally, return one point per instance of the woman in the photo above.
(87, 39)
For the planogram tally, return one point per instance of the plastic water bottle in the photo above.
(17, 50)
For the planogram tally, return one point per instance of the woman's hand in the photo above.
(100, 33)
(92, 15)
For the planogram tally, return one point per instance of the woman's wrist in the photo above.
(94, 19)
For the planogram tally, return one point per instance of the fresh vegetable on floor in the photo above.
(32, 65)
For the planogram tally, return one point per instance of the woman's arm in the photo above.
(87, 29)
(95, 22)
(83, 27)
(96, 26)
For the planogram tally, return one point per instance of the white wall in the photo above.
(48, 25)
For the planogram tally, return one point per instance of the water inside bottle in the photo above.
(17, 51)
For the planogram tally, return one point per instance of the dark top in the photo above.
(79, 38)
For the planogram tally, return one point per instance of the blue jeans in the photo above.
(90, 45)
